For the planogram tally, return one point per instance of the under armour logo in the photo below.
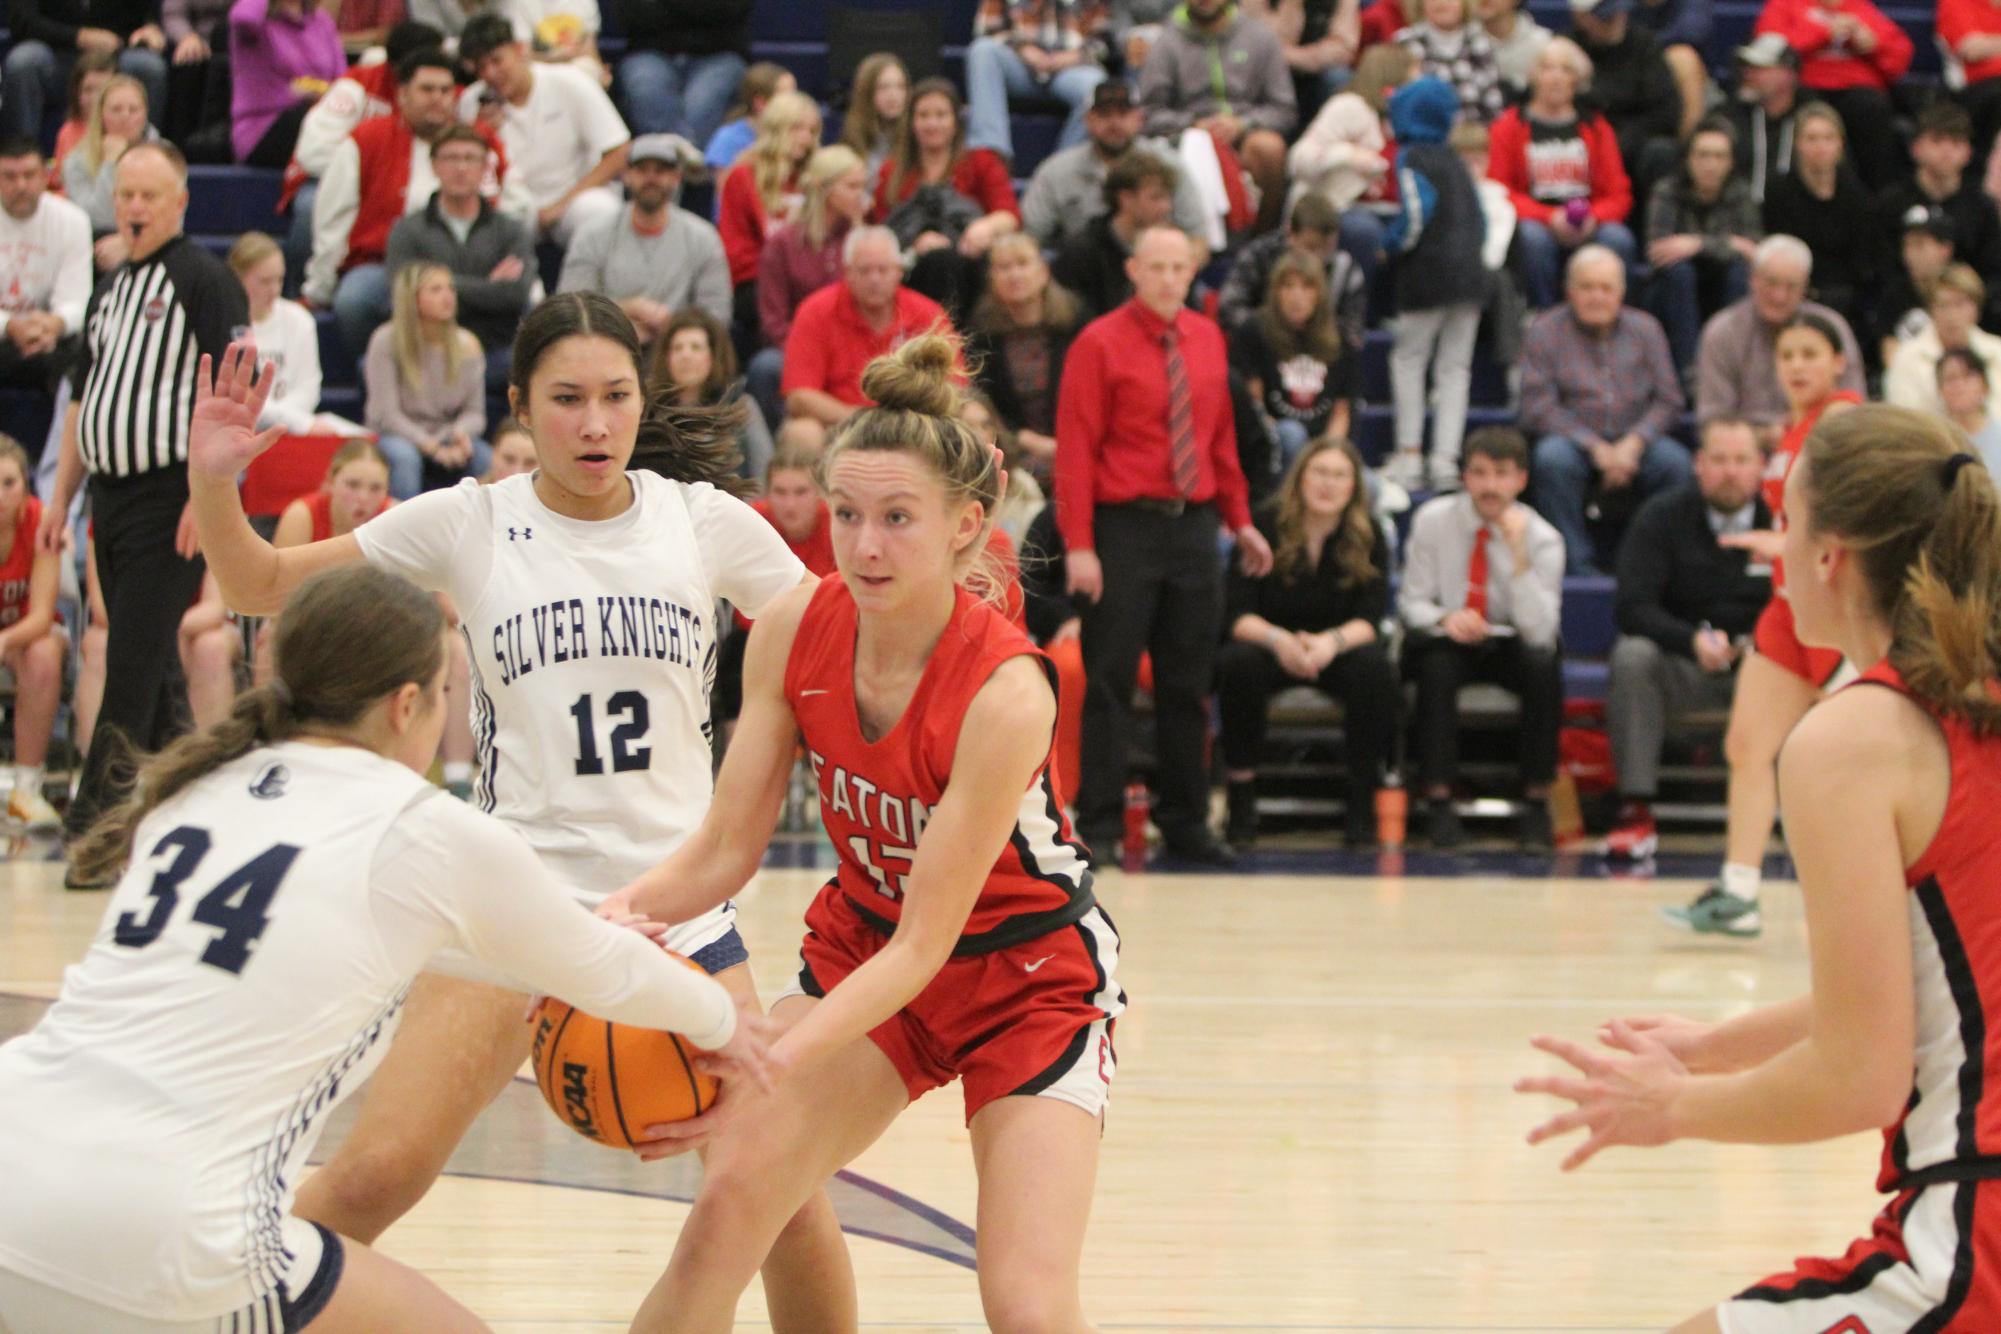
(524, 533)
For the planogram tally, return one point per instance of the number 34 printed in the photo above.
(239, 905)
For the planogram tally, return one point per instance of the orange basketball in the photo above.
(608, 1081)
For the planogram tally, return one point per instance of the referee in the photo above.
(127, 429)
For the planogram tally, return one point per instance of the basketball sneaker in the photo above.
(1442, 473)
(1634, 838)
(1718, 912)
(33, 810)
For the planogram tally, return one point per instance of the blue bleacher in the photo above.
(227, 201)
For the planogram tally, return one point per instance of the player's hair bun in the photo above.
(917, 377)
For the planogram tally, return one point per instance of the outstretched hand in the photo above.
(222, 436)
(1622, 1099)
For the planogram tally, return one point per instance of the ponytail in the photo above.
(348, 638)
(257, 718)
(1949, 650)
(1920, 511)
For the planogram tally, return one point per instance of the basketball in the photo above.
(609, 1081)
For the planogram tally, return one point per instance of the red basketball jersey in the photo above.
(1780, 465)
(319, 504)
(1951, 1126)
(20, 563)
(875, 798)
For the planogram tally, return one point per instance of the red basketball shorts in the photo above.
(1931, 1262)
(1776, 639)
(1033, 1019)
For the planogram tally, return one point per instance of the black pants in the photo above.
(1982, 101)
(1248, 675)
(274, 149)
(1163, 593)
(1440, 666)
(147, 588)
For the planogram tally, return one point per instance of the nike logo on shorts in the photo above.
(804, 693)
(1031, 967)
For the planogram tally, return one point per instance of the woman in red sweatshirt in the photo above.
(1562, 169)
(1970, 30)
(1850, 58)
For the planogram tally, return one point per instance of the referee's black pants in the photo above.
(147, 589)
(1164, 593)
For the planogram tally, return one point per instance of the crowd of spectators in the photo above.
(1602, 211)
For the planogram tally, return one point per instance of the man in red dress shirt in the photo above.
(839, 329)
(1146, 469)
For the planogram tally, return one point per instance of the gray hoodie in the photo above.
(1239, 71)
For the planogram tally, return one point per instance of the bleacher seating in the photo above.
(227, 201)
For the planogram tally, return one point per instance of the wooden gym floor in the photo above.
(1312, 1127)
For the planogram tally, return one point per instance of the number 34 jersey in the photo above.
(593, 648)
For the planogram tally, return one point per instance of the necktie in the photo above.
(1180, 418)
(1476, 573)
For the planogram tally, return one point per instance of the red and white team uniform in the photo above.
(1775, 636)
(20, 563)
(1027, 1002)
(1933, 1259)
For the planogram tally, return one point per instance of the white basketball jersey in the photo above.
(593, 649)
(237, 988)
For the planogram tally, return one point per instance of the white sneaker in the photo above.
(1443, 474)
(1405, 469)
(33, 810)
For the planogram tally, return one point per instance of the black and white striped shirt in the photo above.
(148, 325)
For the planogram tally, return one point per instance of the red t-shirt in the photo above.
(741, 221)
(979, 175)
(1831, 63)
(319, 504)
(831, 344)
(876, 797)
(20, 563)
(815, 551)
(1957, 21)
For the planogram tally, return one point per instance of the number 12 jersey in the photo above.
(593, 648)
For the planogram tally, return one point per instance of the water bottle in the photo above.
(1134, 844)
(1392, 811)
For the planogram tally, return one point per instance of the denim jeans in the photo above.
(685, 95)
(1543, 258)
(407, 465)
(1561, 482)
(34, 77)
(299, 237)
(360, 305)
(1362, 238)
(761, 380)
(995, 73)
(1674, 295)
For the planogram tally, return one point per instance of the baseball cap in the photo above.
(1600, 9)
(1112, 95)
(671, 149)
(1767, 51)
(1928, 218)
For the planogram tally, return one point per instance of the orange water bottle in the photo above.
(1392, 811)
